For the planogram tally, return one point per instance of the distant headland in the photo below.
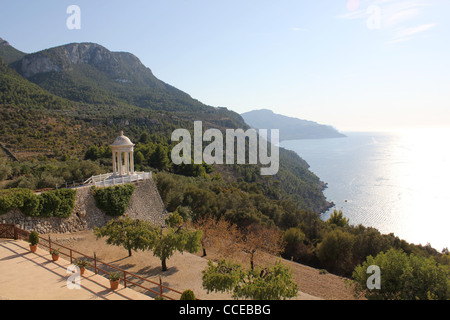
(290, 128)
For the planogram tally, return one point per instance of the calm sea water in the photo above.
(396, 182)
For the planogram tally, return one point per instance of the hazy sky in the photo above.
(354, 64)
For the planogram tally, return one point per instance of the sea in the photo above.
(397, 182)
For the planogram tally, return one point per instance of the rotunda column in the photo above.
(127, 163)
(120, 164)
(132, 162)
(114, 163)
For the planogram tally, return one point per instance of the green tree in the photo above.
(368, 242)
(126, 232)
(193, 170)
(293, 238)
(164, 242)
(145, 138)
(159, 158)
(93, 153)
(139, 158)
(5, 169)
(274, 283)
(404, 277)
(171, 190)
(199, 200)
(335, 252)
(337, 218)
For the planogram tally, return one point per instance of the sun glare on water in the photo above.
(422, 170)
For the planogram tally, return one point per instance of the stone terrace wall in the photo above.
(146, 204)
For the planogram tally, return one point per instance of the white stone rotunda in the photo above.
(123, 165)
(122, 156)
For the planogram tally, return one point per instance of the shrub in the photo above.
(33, 238)
(335, 252)
(58, 203)
(114, 276)
(65, 208)
(404, 277)
(23, 199)
(82, 263)
(30, 206)
(48, 204)
(293, 238)
(26, 182)
(113, 200)
(188, 295)
(5, 169)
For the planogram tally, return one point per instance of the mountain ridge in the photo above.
(117, 74)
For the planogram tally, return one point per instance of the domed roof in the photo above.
(122, 141)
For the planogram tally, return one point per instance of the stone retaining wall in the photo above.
(145, 204)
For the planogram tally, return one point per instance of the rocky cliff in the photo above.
(122, 66)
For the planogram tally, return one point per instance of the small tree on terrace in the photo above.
(164, 242)
(129, 233)
(141, 235)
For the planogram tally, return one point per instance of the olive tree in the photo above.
(175, 236)
(132, 234)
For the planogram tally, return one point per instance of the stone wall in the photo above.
(146, 204)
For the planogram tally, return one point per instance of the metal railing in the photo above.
(11, 231)
(104, 180)
(70, 185)
(100, 181)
